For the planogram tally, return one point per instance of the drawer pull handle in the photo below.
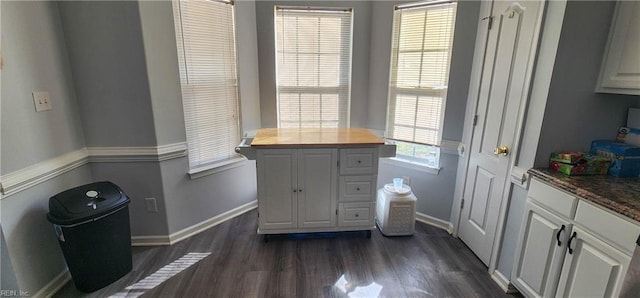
(573, 236)
(558, 235)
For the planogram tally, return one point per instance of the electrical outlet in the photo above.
(406, 180)
(42, 100)
(152, 206)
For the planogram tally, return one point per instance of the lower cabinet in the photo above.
(541, 250)
(297, 188)
(316, 189)
(571, 248)
(591, 267)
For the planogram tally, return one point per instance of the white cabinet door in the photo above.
(591, 268)
(539, 255)
(277, 180)
(620, 72)
(317, 187)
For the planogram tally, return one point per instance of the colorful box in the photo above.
(588, 165)
(567, 157)
(626, 157)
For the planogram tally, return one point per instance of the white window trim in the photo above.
(216, 167)
(410, 164)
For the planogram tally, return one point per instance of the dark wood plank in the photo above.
(430, 263)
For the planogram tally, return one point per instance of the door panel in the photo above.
(594, 269)
(317, 187)
(482, 190)
(509, 45)
(539, 257)
(277, 203)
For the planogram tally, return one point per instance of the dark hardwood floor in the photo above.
(430, 263)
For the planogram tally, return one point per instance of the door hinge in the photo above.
(490, 18)
(475, 120)
(336, 211)
(461, 203)
(338, 163)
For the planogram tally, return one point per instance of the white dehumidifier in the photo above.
(396, 211)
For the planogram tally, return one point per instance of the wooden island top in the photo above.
(314, 137)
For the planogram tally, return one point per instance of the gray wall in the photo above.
(8, 279)
(185, 201)
(360, 57)
(146, 30)
(574, 114)
(434, 192)
(106, 51)
(35, 59)
(108, 61)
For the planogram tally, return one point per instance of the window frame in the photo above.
(219, 163)
(346, 70)
(417, 91)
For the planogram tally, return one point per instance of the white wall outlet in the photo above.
(406, 180)
(42, 100)
(152, 205)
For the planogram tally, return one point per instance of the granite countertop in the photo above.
(622, 195)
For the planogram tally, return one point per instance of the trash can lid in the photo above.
(85, 202)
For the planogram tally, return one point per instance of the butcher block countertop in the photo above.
(314, 137)
(622, 195)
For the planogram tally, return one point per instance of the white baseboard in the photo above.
(503, 282)
(54, 285)
(192, 230)
(436, 222)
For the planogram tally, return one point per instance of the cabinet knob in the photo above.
(300, 190)
(357, 215)
(359, 161)
(295, 190)
(358, 188)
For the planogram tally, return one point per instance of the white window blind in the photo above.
(313, 54)
(420, 59)
(207, 59)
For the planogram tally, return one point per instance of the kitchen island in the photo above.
(316, 179)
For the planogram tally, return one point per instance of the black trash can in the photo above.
(92, 225)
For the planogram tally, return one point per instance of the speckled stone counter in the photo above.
(621, 195)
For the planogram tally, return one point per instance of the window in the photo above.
(313, 54)
(420, 59)
(207, 59)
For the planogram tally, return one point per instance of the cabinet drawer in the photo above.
(358, 161)
(555, 199)
(357, 188)
(355, 214)
(617, 230)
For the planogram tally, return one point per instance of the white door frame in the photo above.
(467, 136)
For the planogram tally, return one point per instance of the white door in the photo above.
(591, 268)
(317, 187)
(540, 252)
(277, 201)
(504, 78)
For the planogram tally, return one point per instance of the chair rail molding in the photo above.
(32, 175)
(22, 179)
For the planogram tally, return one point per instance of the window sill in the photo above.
(398, 162)
(216, 168)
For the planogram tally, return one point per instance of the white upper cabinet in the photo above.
(620, 71)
